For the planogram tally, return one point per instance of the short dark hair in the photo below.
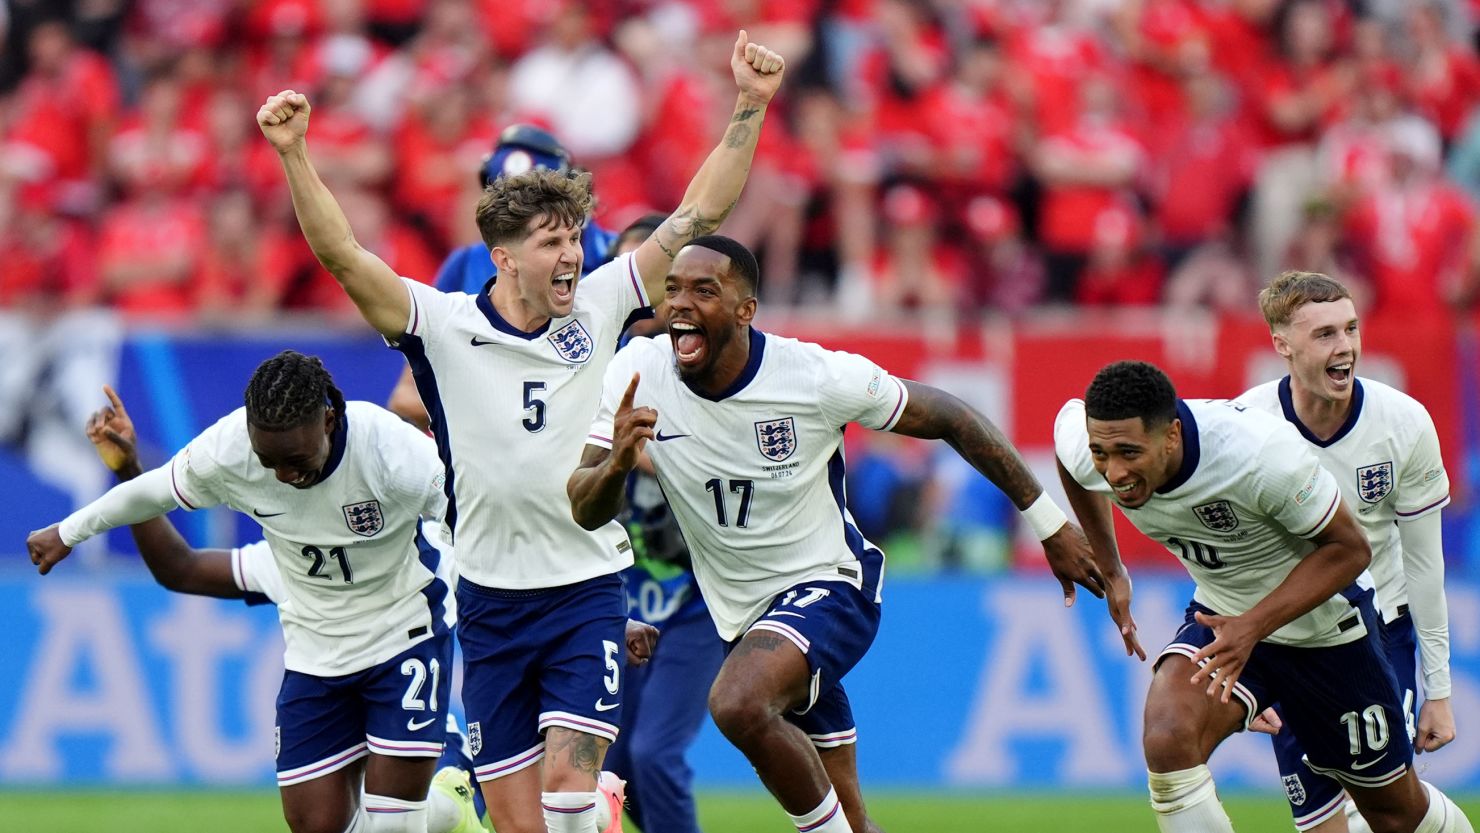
(1126, 390)
(742, 262)
(289, 390)
(642, 228)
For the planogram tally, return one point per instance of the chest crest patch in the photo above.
(776, 438)
(1374, 482)
(572, 342)
(1217, 516)
(364, 519)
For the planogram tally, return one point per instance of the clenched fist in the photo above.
(284, 119)
(758, 70)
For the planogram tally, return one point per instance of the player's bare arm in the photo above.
(173, 562)
(597, 486)
(1098, 519)
(370, 283)
(716, 187)
(405, 401)
(1341, 554)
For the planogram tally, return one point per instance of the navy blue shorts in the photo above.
(1341, 703)
(533, 659)
(833, 623)
(1315, 797)
(397, 708)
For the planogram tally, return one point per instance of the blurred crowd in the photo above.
(939, 157)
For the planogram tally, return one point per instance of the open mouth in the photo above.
(689, 342)
(564, 286)
(1340, 373)
(1126, 493)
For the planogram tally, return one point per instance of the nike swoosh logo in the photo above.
(418, 725)
(665, 437)
(267, 514)
(477, 342)
(1356, 767)
(606, 707)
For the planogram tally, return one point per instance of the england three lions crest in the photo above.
(1294, 790)
(1374, 482)
(572, 342)
(1217, 516)
(364, 519)
(777, 438)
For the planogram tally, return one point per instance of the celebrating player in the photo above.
(1382, 448)
(1283, 609)
(511, 378)
(520, 148)
(746, 440)
(341, 491)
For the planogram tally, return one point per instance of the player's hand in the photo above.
(284, 119)
(1226, 655)
(1267, 722)
(46, 548)
(1073, 562)
(631, 429)
(1118, 599)
(113, 436)
(1435, 726)
(758, 70)
(641, 639)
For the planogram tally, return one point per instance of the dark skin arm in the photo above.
(597, 487)
(1095, 512)
(173, 562)
(933, 414)
(1341, 554)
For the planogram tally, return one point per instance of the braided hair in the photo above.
(288, 390)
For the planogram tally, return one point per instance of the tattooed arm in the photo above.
(716, 187)
(933, 414)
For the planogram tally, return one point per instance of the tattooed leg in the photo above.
(572, 760)
(761, 679)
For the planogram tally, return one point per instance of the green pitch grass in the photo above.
(155, 812)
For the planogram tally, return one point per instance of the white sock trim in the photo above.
(1186, 801)
(819, 815)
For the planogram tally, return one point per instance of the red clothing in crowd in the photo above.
(1165, 28)
(1055, 61)
(1413, 245)
(1070, 210)
(1445, 93)
(53, 119)
(1200, 170)
(972, 136)
(166, 233)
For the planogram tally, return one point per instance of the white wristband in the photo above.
(1045, 517)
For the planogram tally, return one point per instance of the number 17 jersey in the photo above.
(755, 475)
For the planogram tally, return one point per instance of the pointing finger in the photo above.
(114, 400)
(626, 404)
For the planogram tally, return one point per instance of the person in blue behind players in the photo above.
(511, 377)
(745, 430)
(520, 148)
(658, 729)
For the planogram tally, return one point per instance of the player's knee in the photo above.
(318, 818)
(737, 713)
(1171, 743)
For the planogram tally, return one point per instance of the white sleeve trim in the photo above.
(147, 496)
(1423, 569)
(904, 400)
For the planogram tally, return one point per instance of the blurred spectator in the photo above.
(149, 249)
(394, 241)
(1007, 274)
(1415, 236)
(62, 115)
(1443, 75)
(153, 149)
(441, 140)
(247, 266)
(583, 91)
(1300, 92)
(1087, 169)
(914, 269)
(1120, 272)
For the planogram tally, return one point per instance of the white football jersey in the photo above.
(510, 411)
(255, 570)
(358, 579)
(1238, 514)
(755, 476)
(1386, 461)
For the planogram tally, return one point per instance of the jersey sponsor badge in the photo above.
(365, 518)
(777, 438)
(1294, 790)
(475, 737)
(1374, 482)
(572, 342)
(1217, 516)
